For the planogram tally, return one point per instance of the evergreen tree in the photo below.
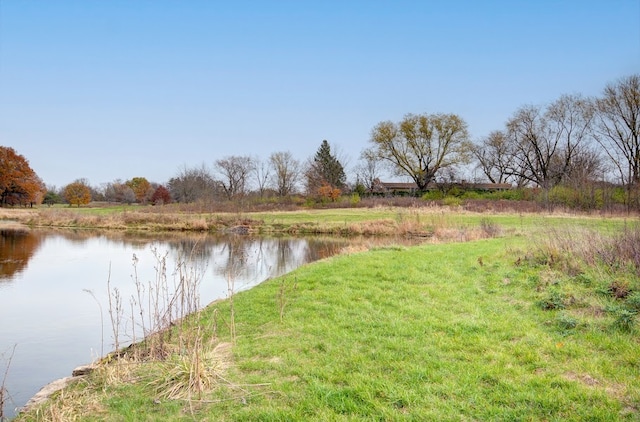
(325, 169)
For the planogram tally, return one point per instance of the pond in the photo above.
(54, 289)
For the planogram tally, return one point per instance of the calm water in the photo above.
(52, 285)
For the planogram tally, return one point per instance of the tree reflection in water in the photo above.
(16, 249)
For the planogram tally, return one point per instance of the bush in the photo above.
(452, 201)
(434, 195)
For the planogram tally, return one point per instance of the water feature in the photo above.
(54, 299)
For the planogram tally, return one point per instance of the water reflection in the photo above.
(16, 249)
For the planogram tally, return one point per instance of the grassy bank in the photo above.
(512, 328)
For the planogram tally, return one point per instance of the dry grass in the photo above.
(71, 404)
(192, 374)
(617, 251)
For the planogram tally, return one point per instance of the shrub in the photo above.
(452, 201)
(434, 195)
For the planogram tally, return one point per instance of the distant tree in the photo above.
(494, 156)
(262, 173)
(118, 191)
(19, 184)
(140, 187)
(617, 127)
(97, 193)
(234, 171)
(161, 196)
(325, 169)
(545, 144)
(421, 146)
(77, 193)
(286, 172)
(192, 185)
(368, 170)
(52, 197)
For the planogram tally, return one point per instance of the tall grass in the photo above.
(618, 251)
(4, 393)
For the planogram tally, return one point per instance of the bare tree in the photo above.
(495, 157)
(546, 143)
(421, 146)
(533, 152)
(286, 172)
(617, 127)
(262, 173)
(234, 171)
(368, 169)
(192, 184)
(569, 121)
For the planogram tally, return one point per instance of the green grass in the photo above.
(435, 332)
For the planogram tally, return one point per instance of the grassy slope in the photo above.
(425, 333)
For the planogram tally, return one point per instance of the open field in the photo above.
(532, 318)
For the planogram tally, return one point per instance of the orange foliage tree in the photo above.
(19, 184)
(77, 193)
(141, 187)
(328, 192)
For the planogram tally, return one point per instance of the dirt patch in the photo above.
(584, 379)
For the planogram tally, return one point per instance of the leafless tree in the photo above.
(368, 169)
(494, 156)
(546, 143)
(234, 171)
(192, 184)
(286, 172)
(262, 173)
(617, 127)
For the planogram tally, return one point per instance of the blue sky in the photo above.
(107, 90)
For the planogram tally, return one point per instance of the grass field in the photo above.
(523, 326)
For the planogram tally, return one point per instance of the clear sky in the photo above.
(107, 90)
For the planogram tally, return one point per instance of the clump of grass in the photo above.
(624, 318)
(619, 289)
(490, 228)
(554, 300)
(566, 322)
(192, 373)
(633, 301)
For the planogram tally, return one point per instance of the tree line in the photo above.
(574, 142)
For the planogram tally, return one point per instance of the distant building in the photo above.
(410, 188)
